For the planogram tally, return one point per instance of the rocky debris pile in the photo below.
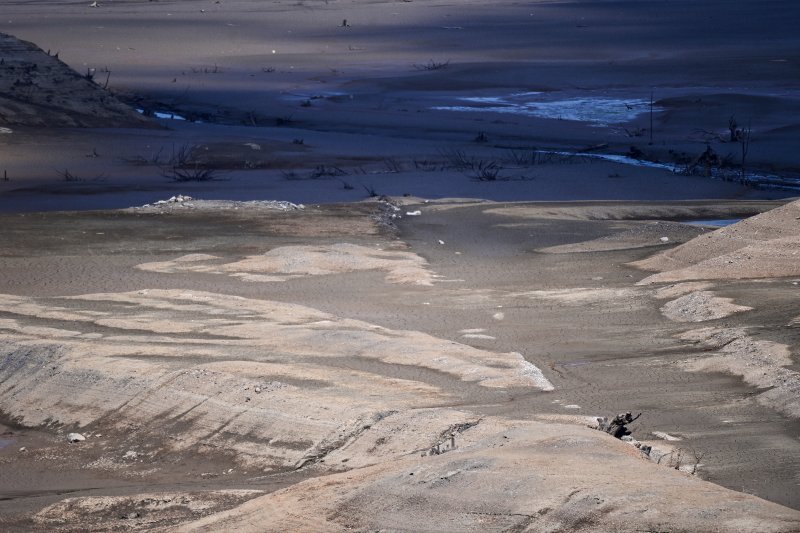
(700, 306)
(146, 511)
(182, 201)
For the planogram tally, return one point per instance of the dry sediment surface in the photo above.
(269, 366)
(763, 247)
(329, 395)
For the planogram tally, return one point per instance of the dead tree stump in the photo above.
(617, 426)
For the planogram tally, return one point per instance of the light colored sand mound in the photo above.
(287, 262)
(760, 363)
(764, 246)
(509, 476)
(36, 89)
(258, 379)
(700, 306)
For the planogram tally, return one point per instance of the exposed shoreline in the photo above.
(481, 245)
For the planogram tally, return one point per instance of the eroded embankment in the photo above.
(222, 372)
(385, 420)
(763, 247)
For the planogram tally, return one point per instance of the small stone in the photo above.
(75, 437)
(664, 239)
(257, 390)
(23, 449)
(131, 516)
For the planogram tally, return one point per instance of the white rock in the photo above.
(413, 213)
(664, 239)
(441, 241)
(75, 437)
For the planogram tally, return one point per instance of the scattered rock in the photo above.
(75, 437)
(700, 306)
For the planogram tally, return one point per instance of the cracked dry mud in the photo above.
(337, 395)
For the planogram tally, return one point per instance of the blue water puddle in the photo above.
(163, 115)
(763, 181)
(717, 223)
(598, 111)
(6, 442)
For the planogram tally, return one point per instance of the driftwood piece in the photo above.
(617, 426)
(708, 159)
